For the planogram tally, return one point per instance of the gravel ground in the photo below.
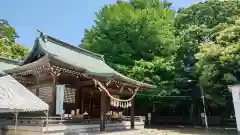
(162, 131)
(171, 132)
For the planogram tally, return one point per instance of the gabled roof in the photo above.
(78, 58)
(6, 63)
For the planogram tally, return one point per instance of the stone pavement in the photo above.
(162, 131)
(171, 132)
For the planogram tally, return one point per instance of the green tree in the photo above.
(198, 25)
(218, 61)
(8, 47)
(137, 39)
(7, 32)
(210, 13)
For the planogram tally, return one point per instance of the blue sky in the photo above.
(63, 19)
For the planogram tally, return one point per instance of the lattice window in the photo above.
(69, 95)
(45, 94)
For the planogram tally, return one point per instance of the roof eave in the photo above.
(11, 61)
(44, 61)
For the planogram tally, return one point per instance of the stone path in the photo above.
(143, 132)
(171, 132)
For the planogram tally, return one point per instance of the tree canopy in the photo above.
(148, 41)
(202, 28)
(7, 32)
(137, 39)
(8, 47)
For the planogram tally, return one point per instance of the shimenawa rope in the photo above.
(119, 100)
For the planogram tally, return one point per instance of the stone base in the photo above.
(61, 129)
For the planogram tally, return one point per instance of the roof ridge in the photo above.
(11, 61)
(69, 46)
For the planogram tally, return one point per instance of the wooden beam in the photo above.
(132, 114)
(115, 91)
(84, 83)
(24, 78)
(75, 83)
(103, 111)
(112, 91)
(39, 86)
(27, 79)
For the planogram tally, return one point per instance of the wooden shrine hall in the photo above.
(91, 87)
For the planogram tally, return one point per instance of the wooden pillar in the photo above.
(53, 107)
(108, 105)
(103, 111)
(37, 81)
(37, 92)
(90, 104)
(82, 101)
(77, 98)
(132, 114)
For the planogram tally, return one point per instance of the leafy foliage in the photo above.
(8, 47)
(7, 32)
(137, 39)
(146, 40)
(14, 51)
(210, 13)
(218, 61)
(202, 28)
